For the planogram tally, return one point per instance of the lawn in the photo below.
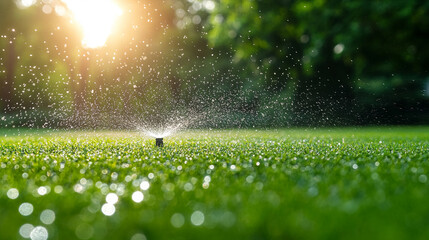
(334, 183)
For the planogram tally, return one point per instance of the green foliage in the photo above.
(252, 184)
(328, 48)
(310, 61)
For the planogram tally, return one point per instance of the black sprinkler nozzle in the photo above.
(159, 142)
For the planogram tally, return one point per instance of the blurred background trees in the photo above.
(259, 63)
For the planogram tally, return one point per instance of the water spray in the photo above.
(159, 142)
(161, 131)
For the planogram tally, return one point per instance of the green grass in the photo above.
(367, 183)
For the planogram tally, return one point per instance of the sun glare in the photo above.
(96, 18)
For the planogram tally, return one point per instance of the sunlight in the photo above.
(96, 18)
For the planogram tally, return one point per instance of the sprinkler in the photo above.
(159, 142)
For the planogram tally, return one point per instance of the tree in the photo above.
(327, 48)
(8, 55)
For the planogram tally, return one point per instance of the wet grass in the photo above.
(233, 184)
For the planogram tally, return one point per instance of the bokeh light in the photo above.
(96, 18)
(137, 196)
(112, 198)
(177, 220)
(25, 209)
(39, 233)
(108, 209)
(12, 193)
(138, 236)
(47, 216)
(144, 185)
(25, 230)
(197, 218)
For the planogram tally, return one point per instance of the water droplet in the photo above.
(78, 188)
(197, 218)
(138, 236)
(423, 178)
(339, 48)
(84, 231)
(108, 209)
(58, 189)
(177, 220)
(112, 198)
(25, 209)
(188, 187)
(137, 197)
(42, 191)
(144, 185)
(39, 233)
(25, 230)
(47, 216)
(13, 193)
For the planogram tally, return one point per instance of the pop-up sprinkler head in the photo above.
(159, 142)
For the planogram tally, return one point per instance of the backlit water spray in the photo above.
(161, 129)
